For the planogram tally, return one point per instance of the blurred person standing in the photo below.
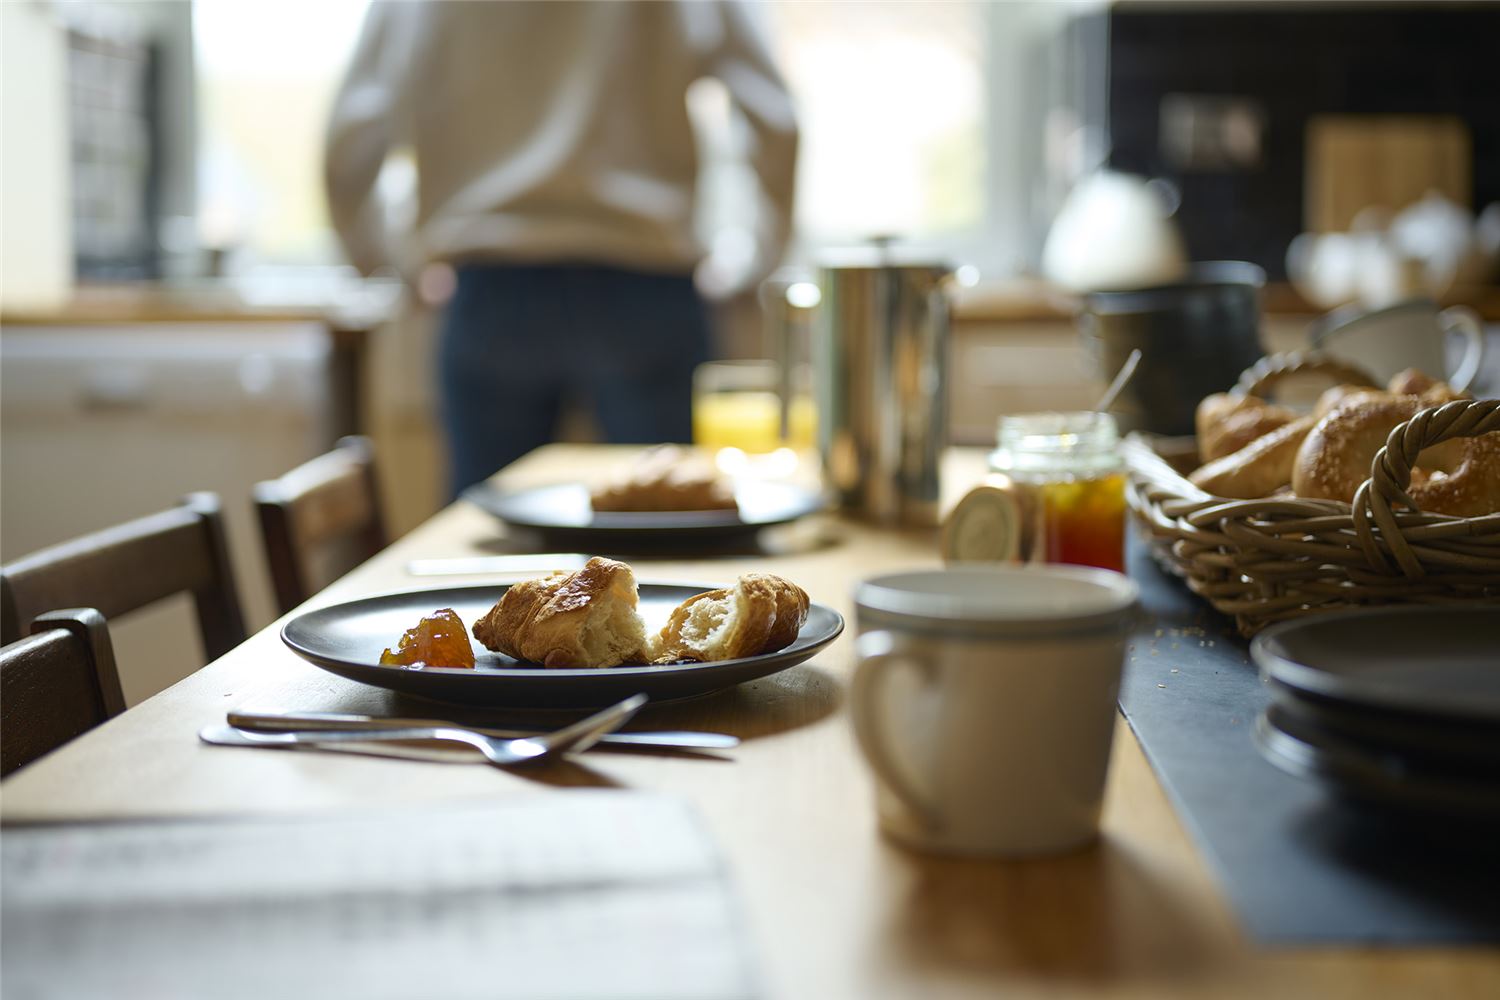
(556, 168)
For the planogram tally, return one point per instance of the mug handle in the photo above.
(1466, 322)
(876, 656)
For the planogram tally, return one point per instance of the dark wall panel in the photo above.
(1295, 61)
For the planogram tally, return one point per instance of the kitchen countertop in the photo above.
(351, 308)
(354, 307)
(1033, 300)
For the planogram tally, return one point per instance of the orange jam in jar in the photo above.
(1067, 467)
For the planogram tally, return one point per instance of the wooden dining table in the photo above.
(832, 908)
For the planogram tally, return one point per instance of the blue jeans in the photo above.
(517, 340)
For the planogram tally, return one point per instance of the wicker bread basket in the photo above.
(1275, 558)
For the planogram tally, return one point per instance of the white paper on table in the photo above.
(574, 894)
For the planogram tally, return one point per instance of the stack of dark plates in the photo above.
(1396, 707)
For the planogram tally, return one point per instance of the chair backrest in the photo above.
(324, 515)
(56, 684)
(125, 568)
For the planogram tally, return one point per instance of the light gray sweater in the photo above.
(551, 132)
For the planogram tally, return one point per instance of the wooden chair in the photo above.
(320, 520)
(125, 568)
(58, 683)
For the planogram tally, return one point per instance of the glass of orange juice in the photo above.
(737, 404)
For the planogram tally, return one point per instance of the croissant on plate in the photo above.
(591, 618)
(587, 618)
(761, 613)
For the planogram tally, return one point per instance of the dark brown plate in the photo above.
(347, 639)
(1438, 740)
(565, 509)
(1373, 777)
(1439, 662)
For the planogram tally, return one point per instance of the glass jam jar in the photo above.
(1066, 471)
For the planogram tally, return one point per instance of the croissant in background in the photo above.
(666, 478)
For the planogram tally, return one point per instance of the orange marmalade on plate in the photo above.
(1066, 472)
(438, 640)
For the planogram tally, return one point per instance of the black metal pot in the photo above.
(1195, 337)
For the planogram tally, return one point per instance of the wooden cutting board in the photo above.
(1356, 161)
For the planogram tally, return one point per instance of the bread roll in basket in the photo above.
(1276, 557)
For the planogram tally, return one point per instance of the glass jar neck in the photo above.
(1051, 443)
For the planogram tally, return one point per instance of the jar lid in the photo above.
(984, 527)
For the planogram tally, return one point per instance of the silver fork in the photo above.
(501, 752)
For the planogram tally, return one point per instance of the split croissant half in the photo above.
(590, 619)
(760, 614)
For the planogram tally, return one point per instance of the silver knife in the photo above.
(229, 736)
(269, 722)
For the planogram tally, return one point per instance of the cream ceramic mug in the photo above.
(1411, 334)
(984, 701)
